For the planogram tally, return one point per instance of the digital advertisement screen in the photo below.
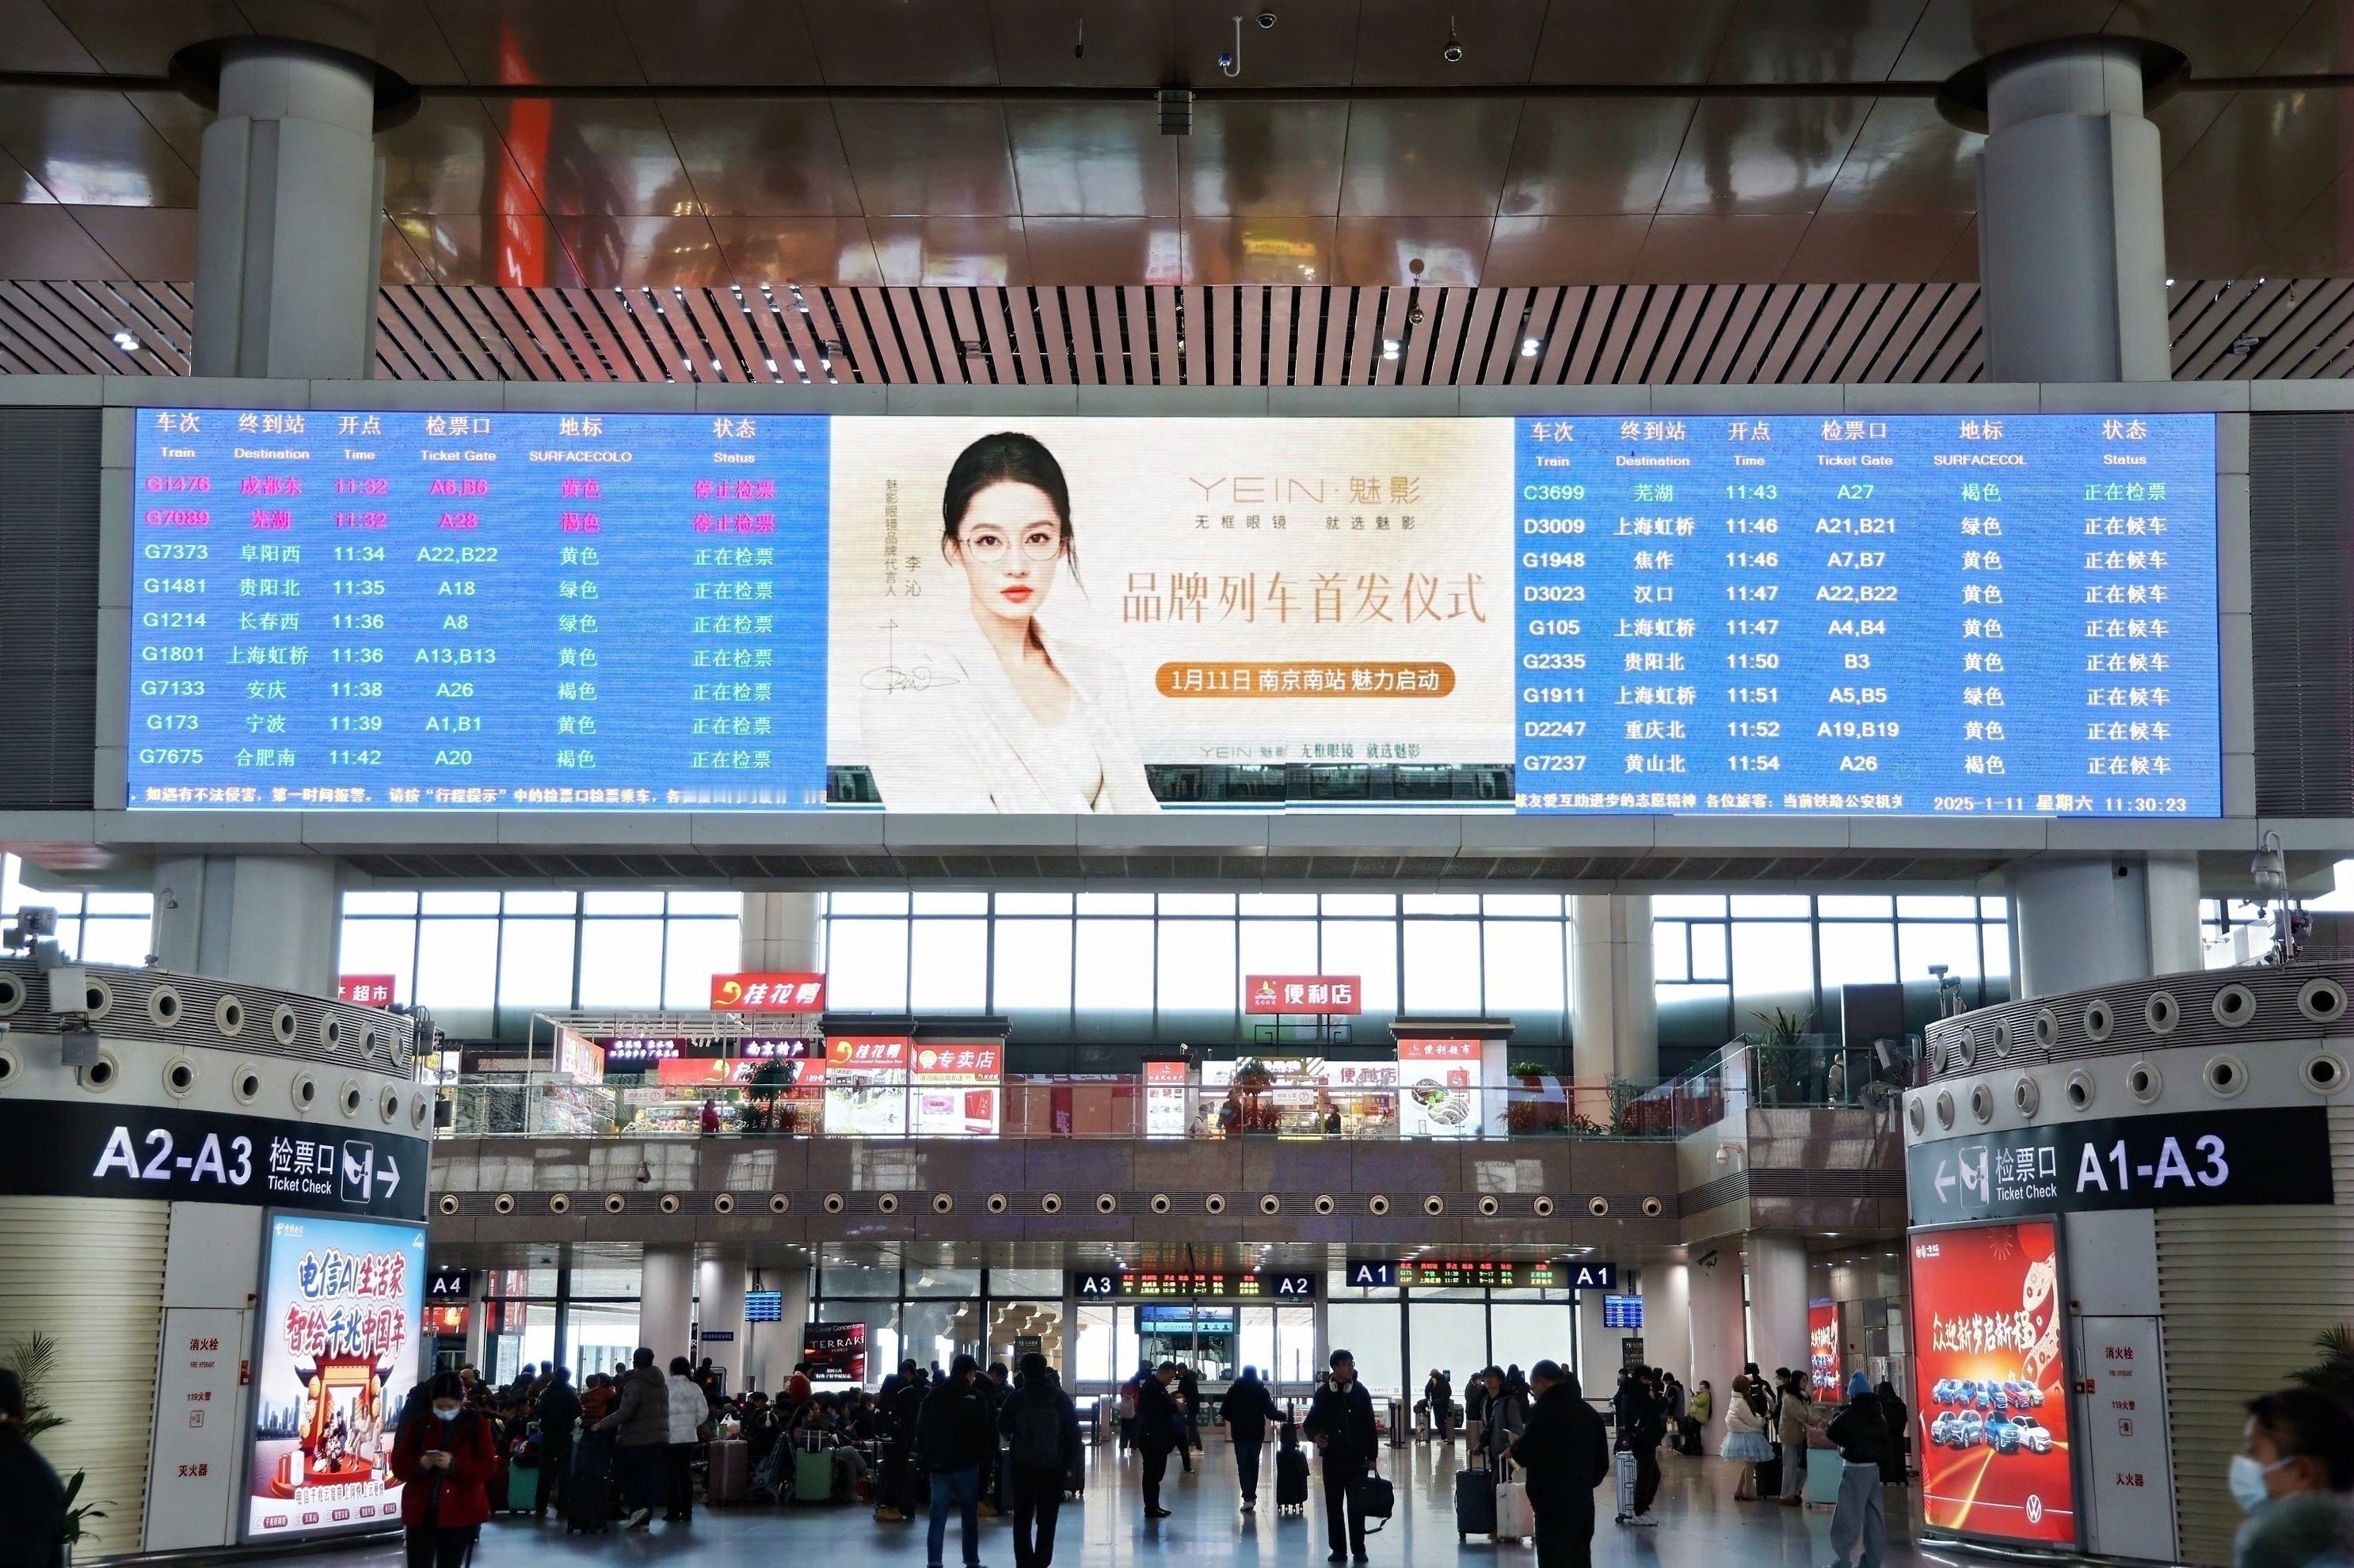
(837, 1352)
(1990, 1390)
(1914, 615)
(336, 1353)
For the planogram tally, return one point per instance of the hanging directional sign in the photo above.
(2183, 1159)
(54, 1149)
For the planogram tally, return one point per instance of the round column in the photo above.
(782, 932)
(2078, 924)
(2072, 231)
(666, 1302)
(289, 216)
(1777, 1301)
(720, 1287)
(256, 919)
(1719, 1343)
(1615, 1013)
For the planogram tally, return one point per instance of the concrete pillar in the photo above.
(1613, 1012)
(2077, 923)
(771, 1349)
(2072, 230)
(782, 932)
(1720, 1343)
(719, 1292)
(1667, 1319)
(1598, 1348)
(666, 1301)
(259, 919)
(1778, 1302)
(289, 213)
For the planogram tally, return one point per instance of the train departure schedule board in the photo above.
(1920, 616)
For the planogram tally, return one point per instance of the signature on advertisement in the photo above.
(907, 678)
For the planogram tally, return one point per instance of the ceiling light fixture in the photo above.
(1529, 347)
(126, 343)
(1453, 53)
(1389, 348)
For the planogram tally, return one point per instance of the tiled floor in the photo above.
(1699, 1527)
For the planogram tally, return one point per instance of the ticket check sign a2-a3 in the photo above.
(1914, 615)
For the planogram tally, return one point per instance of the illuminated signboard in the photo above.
(1303, 993)
(768, 993)
(764, 1306)
(366, 991)
(1418, 1274)
(627, 1052)
(1150, 1284)
(1921, 615)
(1622, 1311)
(1439, 1088)
(341, 1303)
(1990, 1383)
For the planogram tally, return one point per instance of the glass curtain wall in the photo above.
(1398, 1340)
(934, 1315)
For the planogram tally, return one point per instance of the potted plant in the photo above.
(1774, 1061)
(1530, 1108)
(35, 1357)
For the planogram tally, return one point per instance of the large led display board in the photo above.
(1918, 615)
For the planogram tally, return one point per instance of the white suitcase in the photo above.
(1623, 1466)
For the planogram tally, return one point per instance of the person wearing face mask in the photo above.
(2292, 1476)
(987, 702)
(444, 1465)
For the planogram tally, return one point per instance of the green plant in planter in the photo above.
(1775, 1060)
(1252, 1077)
(2333, 1374)
(35, 1357)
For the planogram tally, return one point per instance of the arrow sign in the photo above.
(1945, 1181)
(387, 1175)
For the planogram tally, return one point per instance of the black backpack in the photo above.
(1038, 1433)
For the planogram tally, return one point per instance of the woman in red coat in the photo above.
(444, 1461)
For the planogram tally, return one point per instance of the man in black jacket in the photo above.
(1042, 1425)
(954, 1434)
(557, 1409)
(32, 1499)
(1566, 1454)
(1340, 1423)
(1248, 1409)
(1157, 1432)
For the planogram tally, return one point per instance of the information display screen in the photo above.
(1918, 615)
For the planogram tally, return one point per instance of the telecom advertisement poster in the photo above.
(337, 1354)
(1990, 1388)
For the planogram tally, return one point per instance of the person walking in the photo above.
(1566, 1454)
(640, 1424)
(1158, 1429)
(32, 1499)
(559, 1408)
(1248, 1409)
(2292, 1476)
(1042, 1425)
(1475, 1412)
(1504, 1414)
(689, 1418)
(1860, 1432)
(953, 1437)
(1744, 1435)
(1899, 1433)
(444, 1465)
(1340, 1423)
(1642, 1424)
(1188, 1394)
(1796, 1413)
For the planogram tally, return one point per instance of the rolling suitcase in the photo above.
(1514, 1522)
(1824, 1470)
(522, 1487)
(727, 1474)
(1622, 1469)
(1475, 1504)
(1290, 1479)
(1769, 1476)
(588, 1505)
(812, 1477)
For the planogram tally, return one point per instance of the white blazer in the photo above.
(946, 731)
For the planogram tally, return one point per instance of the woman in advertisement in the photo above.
(994, 710)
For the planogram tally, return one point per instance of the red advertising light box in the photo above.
(1990, 1385)
(1303, 993)
(366, 991)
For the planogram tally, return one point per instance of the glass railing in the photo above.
(1370, 1106)
(1805, 1072)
